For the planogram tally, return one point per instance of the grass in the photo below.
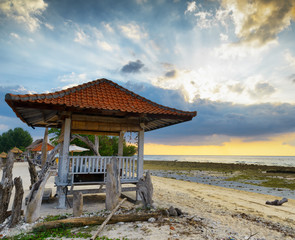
(267, 176)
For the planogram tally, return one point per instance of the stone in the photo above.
(172, 212)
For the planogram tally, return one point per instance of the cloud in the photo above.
(27, 12)
(132, 67)
(223, 37)
(237, 88)
(133, 31)
(259, 22)
(104, 45)
(171, 74)
(81, 37)
(262, 90)
(49, 26)
(289, 58)
(15, 35)
(217, 121)
(191, 7)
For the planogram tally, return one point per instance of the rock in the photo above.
(165, 212)
(172, 211)
(151, 220)
(179, 212)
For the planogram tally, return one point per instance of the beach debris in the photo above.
(95, 220)
(6, 186)
(33, 172)
(77, 204)
(172, 211)
(37, 190)
(151, 220)
(113, 185)
(145, 190)
(108, 218)
(277, 202)
(17, 203)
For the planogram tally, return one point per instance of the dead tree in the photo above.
(17, 203)
(113, 185)
(145, 190)
(36, 193)
(33, 172)
(94, 146)
(6, 186)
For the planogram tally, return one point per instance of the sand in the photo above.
(222, 212)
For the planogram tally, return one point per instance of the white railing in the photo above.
(92, 169)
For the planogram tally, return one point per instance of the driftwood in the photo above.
(77, 204)
(33, 172)
(107, 219)
(145, 190)
(87, 221)
(6, 186)
(277, 202)
(36, 193)
(17, 203)
(113, 185)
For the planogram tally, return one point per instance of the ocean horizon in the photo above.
(286, 161)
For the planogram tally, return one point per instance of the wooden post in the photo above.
(77, 204)
(44, 147)
(120, 146)
(145, 190)
(63, 165)
(140, 159)
(113, 185)
(17, 202)
(6, 186)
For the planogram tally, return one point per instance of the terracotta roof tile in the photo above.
(101, 94)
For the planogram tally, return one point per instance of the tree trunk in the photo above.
(6, 186)
(36, 193)
(44, 148)
(145, 190)
(87, 221)
(33, 173)
(113, 185)
(35, 200)
(88, 142)
(17, 203)
(96, 144)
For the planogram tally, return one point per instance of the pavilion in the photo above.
(99, 107)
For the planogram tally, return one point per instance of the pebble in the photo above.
(151, 220)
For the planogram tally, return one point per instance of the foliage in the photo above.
(15, 138)
(108, 146)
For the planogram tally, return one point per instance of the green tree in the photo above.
(15, 138)
(108, 146)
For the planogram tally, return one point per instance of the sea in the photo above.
(286, 161)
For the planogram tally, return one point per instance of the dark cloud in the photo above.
(216, 122)
(171, 74)
(262, 90)
(132, 67)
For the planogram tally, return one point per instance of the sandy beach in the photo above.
(222, 213)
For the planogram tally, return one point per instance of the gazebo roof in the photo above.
(101, 101)
(38, 147)
(16, 150)
(3, 155)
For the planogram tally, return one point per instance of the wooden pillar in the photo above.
(44, 147)
(63, 165)
(120, 146)
(140, 154)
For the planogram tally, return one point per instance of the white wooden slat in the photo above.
(129, 167)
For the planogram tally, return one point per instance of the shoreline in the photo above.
(278, 181)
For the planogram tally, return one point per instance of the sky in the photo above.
(231, 61)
